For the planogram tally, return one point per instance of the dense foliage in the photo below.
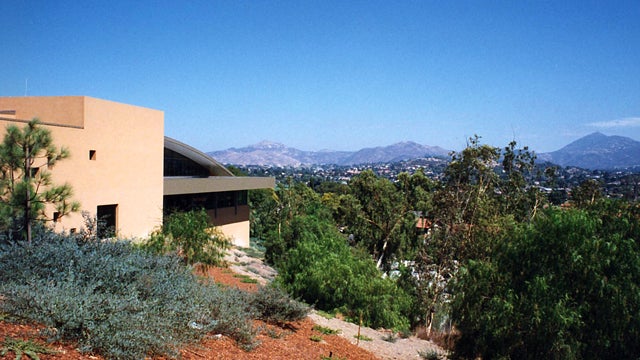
(316, 263)
(324, 271)
(566, 286)
(124, 303)
(484, 249)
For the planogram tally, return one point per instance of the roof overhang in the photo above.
(202, 159)
(182, 185)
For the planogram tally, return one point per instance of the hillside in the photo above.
(598, 152)
(290, 341)
(595, 152)
(276, 154)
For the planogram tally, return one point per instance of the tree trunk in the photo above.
(384, 248)
(27, 210)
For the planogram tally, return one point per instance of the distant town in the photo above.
(623, 184)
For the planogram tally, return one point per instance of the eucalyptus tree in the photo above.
(519, 197)
(289, 201)
(382, 215)
(466, 212)
(586, 194)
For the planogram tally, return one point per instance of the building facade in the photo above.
(124, 170)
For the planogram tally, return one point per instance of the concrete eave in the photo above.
(185, 185)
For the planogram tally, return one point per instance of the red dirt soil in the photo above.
(292, 342)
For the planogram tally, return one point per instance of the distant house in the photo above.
(124, 170)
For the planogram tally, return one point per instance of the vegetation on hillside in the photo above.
(494, 257)
(191, 236)
(115, 299)
(483, 252)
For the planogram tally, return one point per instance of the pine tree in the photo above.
(25, 185)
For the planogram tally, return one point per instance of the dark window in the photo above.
(243, 197)
(178, 165)
(207, 201)
(92, 154)
(226, 199)
(56, 216)
(107, 220)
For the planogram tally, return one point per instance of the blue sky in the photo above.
(340, 75)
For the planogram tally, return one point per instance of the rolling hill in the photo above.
(276, 154)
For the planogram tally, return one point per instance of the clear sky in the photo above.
(339, 75)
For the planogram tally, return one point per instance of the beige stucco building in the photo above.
(123, 169)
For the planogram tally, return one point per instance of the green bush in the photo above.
(325, 330)
(564, 287)
(191, 236)
(324, 271)
(115, 300)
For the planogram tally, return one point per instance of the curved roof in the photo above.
(197, 156)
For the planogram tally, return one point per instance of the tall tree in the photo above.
(25, 184)
(289, 200)
(465, 202)
(518, 197)
(586, 194)
(467, 197)
(381, 215)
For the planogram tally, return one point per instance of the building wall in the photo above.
(128, 166)
(237, 232)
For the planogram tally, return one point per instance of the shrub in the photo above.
(390, 337)
(562, 287)
(115, 300)
(324, 271)
(362, 337)
(325, 330)
(24, 347)
(428, 354)
(273, 304)
(191, 236)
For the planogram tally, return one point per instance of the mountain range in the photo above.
(598, 152)
(276, 154)
(595, 151)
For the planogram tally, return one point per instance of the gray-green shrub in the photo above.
(115, 300)
(272, 304)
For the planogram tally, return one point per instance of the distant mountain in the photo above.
(598, 152)
(276, 154)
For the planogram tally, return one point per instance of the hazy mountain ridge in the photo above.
(598, 152)
(595, 151)
(276, 154)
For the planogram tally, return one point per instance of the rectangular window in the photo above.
(92, 154)
(8, 114)
(107, 220)
(243, 197)
(56, 216)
